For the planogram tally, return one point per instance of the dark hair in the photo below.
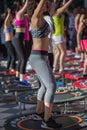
(16, 5)
(1, 22)
(31, 7)
(58, 4)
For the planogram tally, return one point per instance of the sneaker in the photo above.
(9, 72)
(55, 70)
(26, 77)
(60, 71)
(50, 124)
(37, 116)
(85, 75)
(12, 72)
(24, 83)
(16, 79)
(77, 56)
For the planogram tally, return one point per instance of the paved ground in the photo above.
(10, 108)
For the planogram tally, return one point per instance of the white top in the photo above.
(50, 22)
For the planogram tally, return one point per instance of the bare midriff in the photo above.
(8, 36)
(18, 29)
(40, 44)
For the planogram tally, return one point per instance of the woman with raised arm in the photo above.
(8, 31)
(59, 47)
(38, 60)
(21, 31)
(82, 41)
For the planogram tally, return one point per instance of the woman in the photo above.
(78, 19)
(8, 31)
(38, 60)
(82, 41)
(59, 47)
(21, 31)
(48, 18)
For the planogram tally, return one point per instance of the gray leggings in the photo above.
(45, 75)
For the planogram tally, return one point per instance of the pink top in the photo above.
(23, 23)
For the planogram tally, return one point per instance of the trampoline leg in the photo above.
(84, 104)
(24, 108)
(63, 81)
(66, 83)
(20, 109)
(65, 109)
(16, 95)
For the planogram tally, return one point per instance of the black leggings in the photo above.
(28, 46)
(21, 52)
(11, 62)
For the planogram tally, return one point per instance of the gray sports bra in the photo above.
(41, 32)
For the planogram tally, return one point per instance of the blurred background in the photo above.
(9, 3)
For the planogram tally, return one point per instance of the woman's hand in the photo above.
(9, 11)
(79, 48)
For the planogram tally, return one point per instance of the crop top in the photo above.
(84, 32)
(41, 32)
(9, 30)
(23, 23)
(58, 25)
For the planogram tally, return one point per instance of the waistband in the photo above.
(8, 41)
(39, 52)
(21, 26)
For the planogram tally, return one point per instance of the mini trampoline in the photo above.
(9, 85)
(70, 63)
(13, 86)
(72, 68)
(26, 122)
(74, 75)
(81, 84)
(60, 98)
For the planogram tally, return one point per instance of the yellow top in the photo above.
(58, 25)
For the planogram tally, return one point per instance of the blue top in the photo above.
(9, 30)
(41, 32)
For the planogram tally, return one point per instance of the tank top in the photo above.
(58, 25)
(9, 30)
(23, 23)
(41, 32)
(84, 32)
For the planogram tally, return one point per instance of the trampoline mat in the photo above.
(25, 122)
(60, 97)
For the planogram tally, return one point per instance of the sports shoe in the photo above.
(9, 72)
(26, 77)
(24, 83)
(16, 79)
(85, 75)
(50, 124)
(12, 72)
(37, 116)
(55, 70)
